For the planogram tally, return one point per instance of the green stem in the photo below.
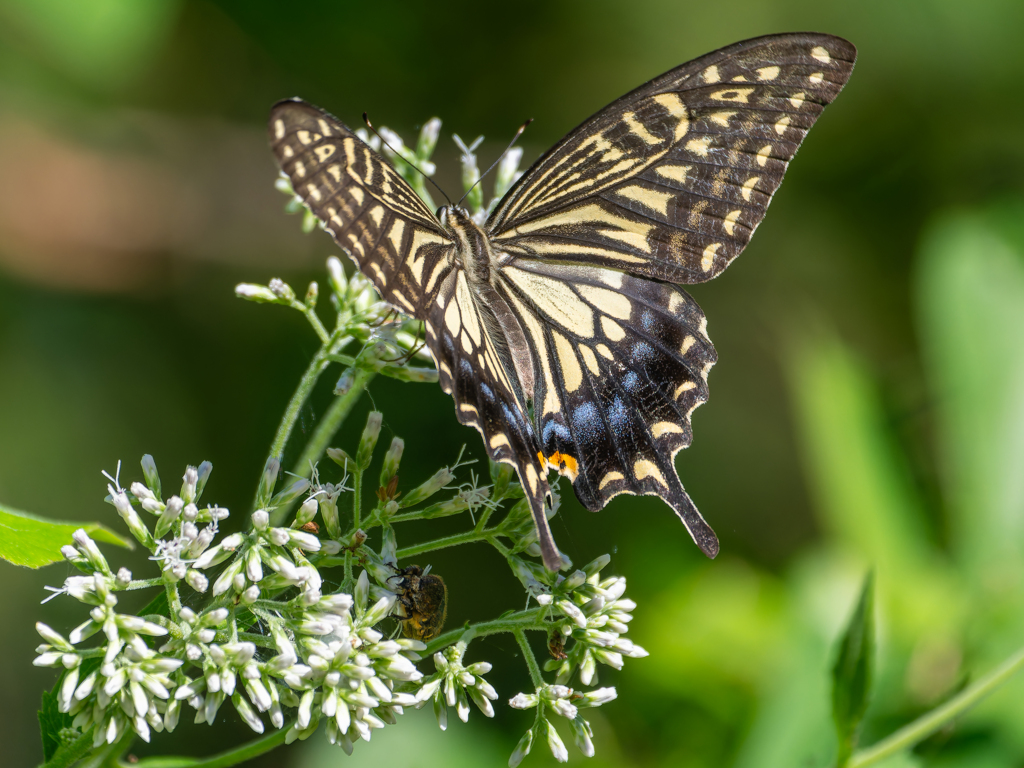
(447, 541)
(173, 601)
(227, 758)
(142, 584)
(531, 660)
(357, 498)
(314, 320)
(331, 423)
(325, 432)
(522, 620)
(484, 517)
(930, 722)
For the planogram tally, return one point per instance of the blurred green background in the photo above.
(867, 409)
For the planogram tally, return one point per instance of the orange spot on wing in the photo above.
(563, 462)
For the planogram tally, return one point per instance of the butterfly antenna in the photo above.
(500, 157)
(366, 119)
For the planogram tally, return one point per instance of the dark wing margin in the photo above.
(620, 364)
(371, 212)
(670, 181)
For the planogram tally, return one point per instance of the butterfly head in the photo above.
(453, 217)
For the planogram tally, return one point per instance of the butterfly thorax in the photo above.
(473, 246)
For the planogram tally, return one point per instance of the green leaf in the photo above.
(853, 672)
(33, 541)
(970, 293)
(51, 722)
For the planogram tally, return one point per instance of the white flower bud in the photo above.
(196, 580)
(523, 701)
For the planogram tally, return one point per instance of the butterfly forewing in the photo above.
(671, 180)
(362, 201)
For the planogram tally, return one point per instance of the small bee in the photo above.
(424, 597)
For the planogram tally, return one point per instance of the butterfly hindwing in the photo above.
(670, 181)
(361, 200)
(620, 363)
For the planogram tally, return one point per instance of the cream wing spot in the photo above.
(603, 351)
(335, 172)
(665, 428)
(644, 468)
(589, 359)
(610, 302)
(572, 374)
(325, 129)
(798, 99)
(356, 194)
(820, 54)
(453, 319)
(287, 151)
(499, 440)
(304, 137)
(707, 259)
(395, 234)
(608, 479)
(721, 118)
(674, 172)
(300, 169)
(699, 146)
(740, 95)
(763, 154)
(686, 386)
(729, 224)
(687, 343)
(768, 73)
(780, 127)
(279, 129)
(324, 151)
(313, 192)
(711, 75)
(649, 198)
(612, 330)
(748, 187)
(816, 78)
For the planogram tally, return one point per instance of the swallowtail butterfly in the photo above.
(558, 326)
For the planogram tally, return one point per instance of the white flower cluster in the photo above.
(128, 684)
(566, 703)
(454, 684)
(596, 616)
(592, 615)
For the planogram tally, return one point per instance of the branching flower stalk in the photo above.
(244, 620)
